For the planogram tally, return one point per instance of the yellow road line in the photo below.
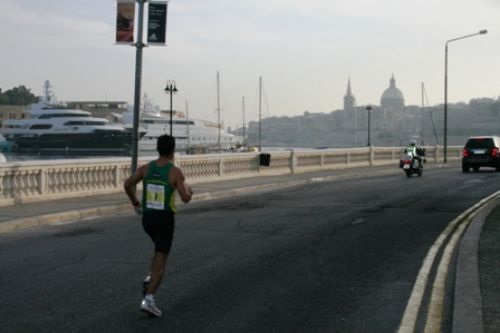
(436, 304)
(410, 315)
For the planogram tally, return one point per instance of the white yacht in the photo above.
(189, 133)
(56, 129)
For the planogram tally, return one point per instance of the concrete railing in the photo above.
(22, 182)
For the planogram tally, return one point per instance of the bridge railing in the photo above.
(53, 179)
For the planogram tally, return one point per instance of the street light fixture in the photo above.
(171, 89)
(369, 109)
(445, 139)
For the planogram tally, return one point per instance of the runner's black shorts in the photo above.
(159, 225)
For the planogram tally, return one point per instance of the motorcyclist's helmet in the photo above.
(413, 143)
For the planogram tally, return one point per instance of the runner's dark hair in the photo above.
(165, 145)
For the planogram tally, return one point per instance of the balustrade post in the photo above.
(42, 181)
(221, 167)
(117, 176)
(293, 161)
(436, 150)
(372, 155)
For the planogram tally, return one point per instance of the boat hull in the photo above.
(109, 143)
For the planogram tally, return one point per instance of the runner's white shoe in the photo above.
(149, 306)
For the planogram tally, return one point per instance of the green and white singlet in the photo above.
(157, 193)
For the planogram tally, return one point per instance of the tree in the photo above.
(483, 103)
(17, 96)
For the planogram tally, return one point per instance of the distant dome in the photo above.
(392, 96)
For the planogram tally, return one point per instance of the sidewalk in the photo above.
(19, 217)
(489, 271)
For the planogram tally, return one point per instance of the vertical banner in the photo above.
(125, 16)
(157, 22)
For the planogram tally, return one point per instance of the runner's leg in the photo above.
(157, 271)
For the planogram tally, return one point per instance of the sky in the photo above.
(305, 52)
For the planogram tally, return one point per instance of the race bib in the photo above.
(155, 196)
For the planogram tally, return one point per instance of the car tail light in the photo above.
(494, 152)
(465, 153)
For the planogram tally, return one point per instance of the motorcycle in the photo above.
(411, 165)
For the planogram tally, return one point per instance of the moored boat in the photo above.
(54, 129)
(5, 146)
(190, 134)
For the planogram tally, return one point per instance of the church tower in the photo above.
(349, 99)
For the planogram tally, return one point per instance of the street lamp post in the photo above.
(171, 89)
(369, 109)
(445, 139)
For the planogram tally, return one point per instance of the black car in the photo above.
(481, 151)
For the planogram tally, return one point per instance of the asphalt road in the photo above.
(329, 257)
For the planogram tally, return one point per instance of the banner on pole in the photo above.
(125, 16)
(157, 22)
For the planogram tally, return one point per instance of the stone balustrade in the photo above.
(22, 182)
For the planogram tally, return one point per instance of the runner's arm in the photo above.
(130, 185)
(184, 189)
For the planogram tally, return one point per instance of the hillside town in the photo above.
(393, 123)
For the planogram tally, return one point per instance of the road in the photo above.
(328, 257)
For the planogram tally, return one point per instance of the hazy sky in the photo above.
(304, 50)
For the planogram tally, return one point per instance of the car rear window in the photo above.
(480, 143)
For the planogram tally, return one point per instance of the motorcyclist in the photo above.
(415, 152)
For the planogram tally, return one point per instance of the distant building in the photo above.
(349, 99)
(392, 98)
(13, 112)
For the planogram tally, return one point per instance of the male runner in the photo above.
(160, 179)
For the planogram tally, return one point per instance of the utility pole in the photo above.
(445, 134)
(369, 109)
(260, 112)
(218, 112)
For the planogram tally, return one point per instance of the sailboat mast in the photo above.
(355, 124)
(422, 122)
(244, 124)
(218, 111)
(260, 112)
(187, 128)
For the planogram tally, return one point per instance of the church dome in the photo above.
(392, 96)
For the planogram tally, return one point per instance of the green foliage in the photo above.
(495, 108)
(17, 96)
